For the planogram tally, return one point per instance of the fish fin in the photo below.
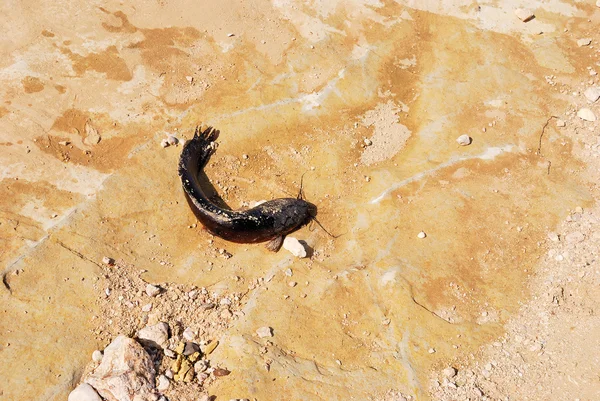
(274, 244)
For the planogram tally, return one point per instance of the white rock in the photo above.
(156, 335)
(164, 143)
(524, 14)
(421, 235)
(586, 114)
(368, 142)
(97, 356)
(449, 372)
(189, 334)
(552, 236)
(84, 392)
(464, 140)
(147, 308)
(152, 290)
(125, 374)
(561, 123)
(592, 94)
(172, 140)
(584, 42)
(294, 246)
(264, 332)
(108, 261)
(200, 366)
(163, 383)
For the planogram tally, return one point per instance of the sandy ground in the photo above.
(458, 272)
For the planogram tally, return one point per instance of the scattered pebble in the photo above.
(421, 235)
(464, 140)
(147, 308)
(592, 94)
(586, 114)
(245, 156)
(97, 356)
(164, 143)
(289, 273)
(552, 236)
(189, 334)
(84, 392)
(264, 332)
(163, 383)
(152, 290)
(294, 246)
(172, 140)
(449, 372)
(561, 123)
(229, 35)
(292, 283)
(584, 42)
(368, 142)
(189, 78)
(431, 350)
(155, 335)
(524, 14)
(108, 261)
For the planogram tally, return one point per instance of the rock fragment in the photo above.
(524, 14)
(125, 374)
(294, 246)
(108, 261)
(586, 114)
(156, 335)
(152, 290)
(449, 372)
(561, 123)
(163, 383)
(97, 356)
(84, 392)
(264, 332)
(592, 94)
(421, 235)
(584, 42)
(464, 140)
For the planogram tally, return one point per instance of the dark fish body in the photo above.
(268, 221)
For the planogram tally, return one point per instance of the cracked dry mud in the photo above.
(366, 97)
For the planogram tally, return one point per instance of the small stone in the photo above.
(210, 347)
(586, 114)
(449, 372)
(189, 334)
(189, 78)
(156, 335)
(368, 142)
(97, 356)
(464, 140)
(524, 14)
(152, 290)
(84, 392)
(421, 235)
(108, 261)
(584, 42)
(245, 156)
(230, 35)
(200, 366)
(592, 94)
(169, 353)
(289, 273)
(574, 237)
(147, 308)
(264, 332)
(163, 383)
(561, 123)
(294, 246)
(169, 373)
(552, 236)
(164, 143)
(219, 372)
(172, 140)
(190, 348)
(431, 350)
(201, 378)
(292, 283)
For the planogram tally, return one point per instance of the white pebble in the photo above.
(292, 283)
(421, 235)
(97, 356)
(524, 14)
(152, 290)
(294, 246)
(431, 350)
(84, 392)
(163, 383)
(449, 372)
(189, 78)
(592, 94)
(561, 123)
(368, 142)
(169, 353)
(189, 334)
(289, 273)
(264, 332)
(245, 156)
(586, 114)
(164, 143)
(157, 334)
(230, 35)
(172, 140)
(552, 236)
(584, 42)
(147, 308)
(108, 261)
(464, 140)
